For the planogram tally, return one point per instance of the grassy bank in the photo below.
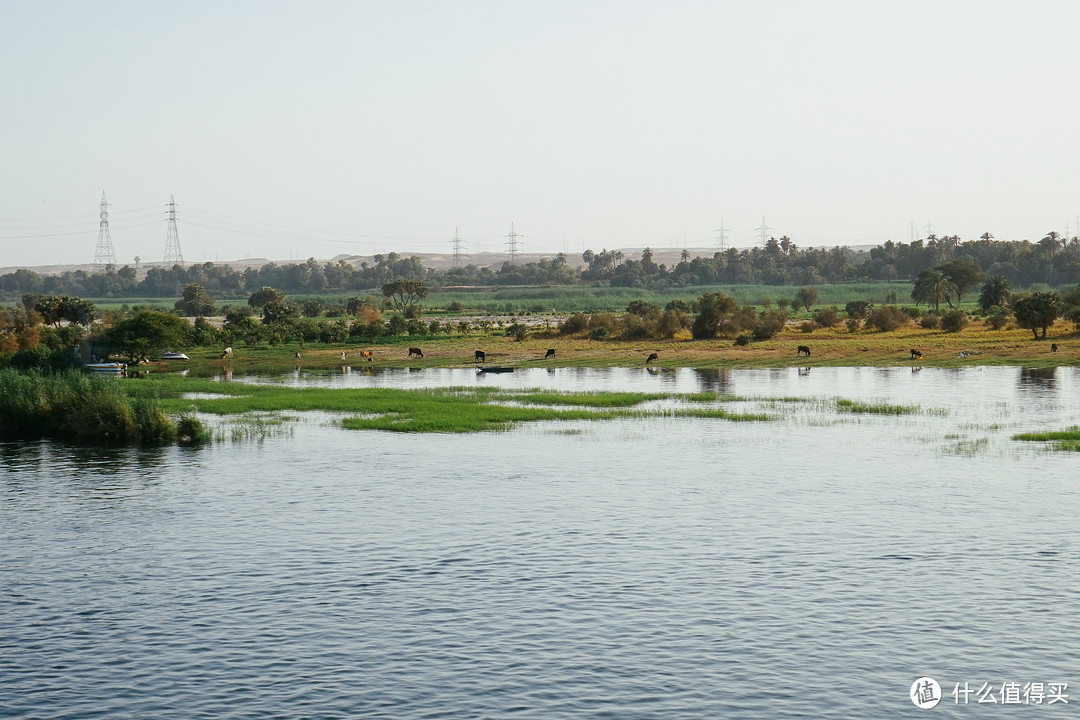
(835, 347)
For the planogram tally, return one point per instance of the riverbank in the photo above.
(835, 347)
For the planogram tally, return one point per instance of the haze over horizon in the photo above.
(288, 130)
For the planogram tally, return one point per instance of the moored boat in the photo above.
(495, 369)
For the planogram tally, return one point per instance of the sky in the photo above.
(289, 130)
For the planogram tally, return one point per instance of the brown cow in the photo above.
(366, 354)
(416, 351)
(550, 354)
(652, 357)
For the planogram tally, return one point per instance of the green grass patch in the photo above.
(854, 406)
(444, 410)
(1067, 440)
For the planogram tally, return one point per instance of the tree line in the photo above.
(1054, 260)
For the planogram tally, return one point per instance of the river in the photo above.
(814, 565)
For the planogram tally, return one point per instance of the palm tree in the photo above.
(934, 286)
(997, 290)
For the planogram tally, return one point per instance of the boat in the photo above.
(171, 355)
(106, 368)
(494, 369)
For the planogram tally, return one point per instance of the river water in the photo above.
(812, 566)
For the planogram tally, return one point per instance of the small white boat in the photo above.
(107, 368)
(170, 355)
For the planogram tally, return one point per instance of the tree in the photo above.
(1037, 311)
(714, 310)
(404, 294)
(264, 295)
(997, 290)
(807, 297)
(147, 334)
(279, 313)
(964, 274)
(934, 287)
(195, 302)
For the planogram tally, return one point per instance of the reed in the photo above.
(79, 407)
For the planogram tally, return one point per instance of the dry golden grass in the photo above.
(975, 345)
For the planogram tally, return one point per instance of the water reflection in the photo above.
(717, 380)
(1040, 379)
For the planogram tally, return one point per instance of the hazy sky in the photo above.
(296, 129)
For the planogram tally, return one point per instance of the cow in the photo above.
(652, 357)
(550, 354)
(227, 353)
(916, 354)
(297, 356)
(416, 351)
(803, 350)
(1053, 347)
(342, 354)
(366, 354)
(480, 356)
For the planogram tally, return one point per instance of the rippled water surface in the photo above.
(811, 566)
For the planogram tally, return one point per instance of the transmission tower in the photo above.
(104, 257)
(763, 232)
(173, 256)
(721, 237)
(457, 248)
(512, 243)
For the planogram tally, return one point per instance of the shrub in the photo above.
(859, 309)
(853, 324)
(808, 326)
(599, 333)
(954, 320)
(912, 311)
(742, 340)
(575, 324)
(768, 323)
(887, 318)
(930, 321)
(827, 316)
(997, 317)
(455, 306)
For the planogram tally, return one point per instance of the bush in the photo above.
(859, 309)
(742, 340)
(954, 321)
(599, 333)
(575, 324)
(455, 306)
(997, 317)
(853, 324)
(930, 321)
(827, 317)
(808, 326)
(768, 323)
(912, 311)
(887, 318)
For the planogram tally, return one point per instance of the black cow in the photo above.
(416, 351)
(1053, 347)
(550, 354)
(916, 354)
(480, 356)
(651, 358)
(803, 350)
